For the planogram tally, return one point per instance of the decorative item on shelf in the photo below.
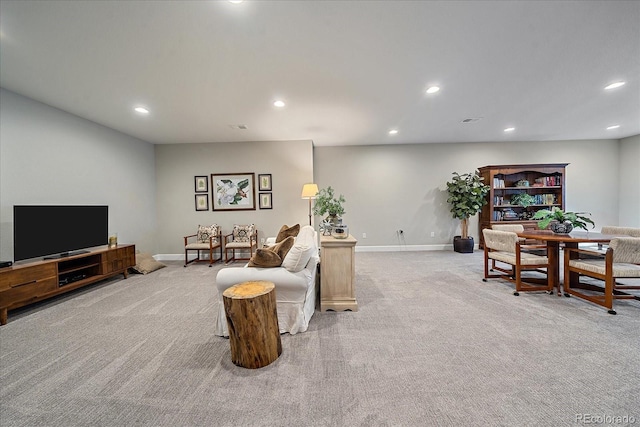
(525, 215)
(562, 222)
(466, 197)
(325, 227)
(113, 240)
(522, 183)
(309, 191)
(340, 231)
(326, 202)
(509, 214)
(522, 199)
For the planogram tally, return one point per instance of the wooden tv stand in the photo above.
(31, 281)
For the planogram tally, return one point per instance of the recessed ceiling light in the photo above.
(509, 129)
(393, 131)
(614, 85)
(141, 110)
(236, 1)
(278, 103)
(433, 89)
(613, 127)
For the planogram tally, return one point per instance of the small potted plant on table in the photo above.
(562, 222)
(327, 202)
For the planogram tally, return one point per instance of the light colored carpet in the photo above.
(432, 345)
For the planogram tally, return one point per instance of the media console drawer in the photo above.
(23, 275)
(27, 291)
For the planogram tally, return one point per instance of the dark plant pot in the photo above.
(464, 246)
(561, 227)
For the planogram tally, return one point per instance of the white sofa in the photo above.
(295, 290)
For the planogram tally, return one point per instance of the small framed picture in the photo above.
(264, 182)
(202, 184)
(266, 201)
(202, 202)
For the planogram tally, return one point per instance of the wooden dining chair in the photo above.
(208, 239)
(505, 247)
(613, 230)
(622, 260)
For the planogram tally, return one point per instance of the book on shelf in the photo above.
(548, 181)
(498, 183)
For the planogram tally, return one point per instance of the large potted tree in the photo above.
(467, 195)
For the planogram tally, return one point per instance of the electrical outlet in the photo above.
(364, 235)
(433, 234)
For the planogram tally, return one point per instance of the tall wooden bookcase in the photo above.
(543, 181)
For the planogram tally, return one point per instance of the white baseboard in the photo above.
(170, 257)
(405, 248)
(389, 248)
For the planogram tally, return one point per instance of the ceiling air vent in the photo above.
(471, 120)
(240, 127)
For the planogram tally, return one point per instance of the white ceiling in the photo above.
(349, 71)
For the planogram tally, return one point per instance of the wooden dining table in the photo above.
(570, 240)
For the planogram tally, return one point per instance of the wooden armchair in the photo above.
(614, 230)
(208, 238)
(505, 247)
(243, 238)
(622, 260)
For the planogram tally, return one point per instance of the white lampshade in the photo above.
(309, 191)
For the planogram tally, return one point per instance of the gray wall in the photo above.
(290, 164)
(48, 156)
(392, 187)
(629, 193)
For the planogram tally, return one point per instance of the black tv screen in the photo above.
(40, 231)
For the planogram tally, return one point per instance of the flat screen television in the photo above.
(57, 231)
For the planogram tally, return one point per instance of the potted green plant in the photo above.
(327, 202)
(467, 195)
(562, 222)
(522, 199)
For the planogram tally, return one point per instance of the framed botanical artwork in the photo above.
(264, 182)
(233, 191)
(202, 184)
(266, 202)
(202, 202)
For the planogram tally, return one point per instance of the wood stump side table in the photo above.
(252, 318)
(337, 274)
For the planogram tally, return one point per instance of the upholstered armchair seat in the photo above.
(525, 258)
(620, 269)
(196, 246)
(621, 260)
